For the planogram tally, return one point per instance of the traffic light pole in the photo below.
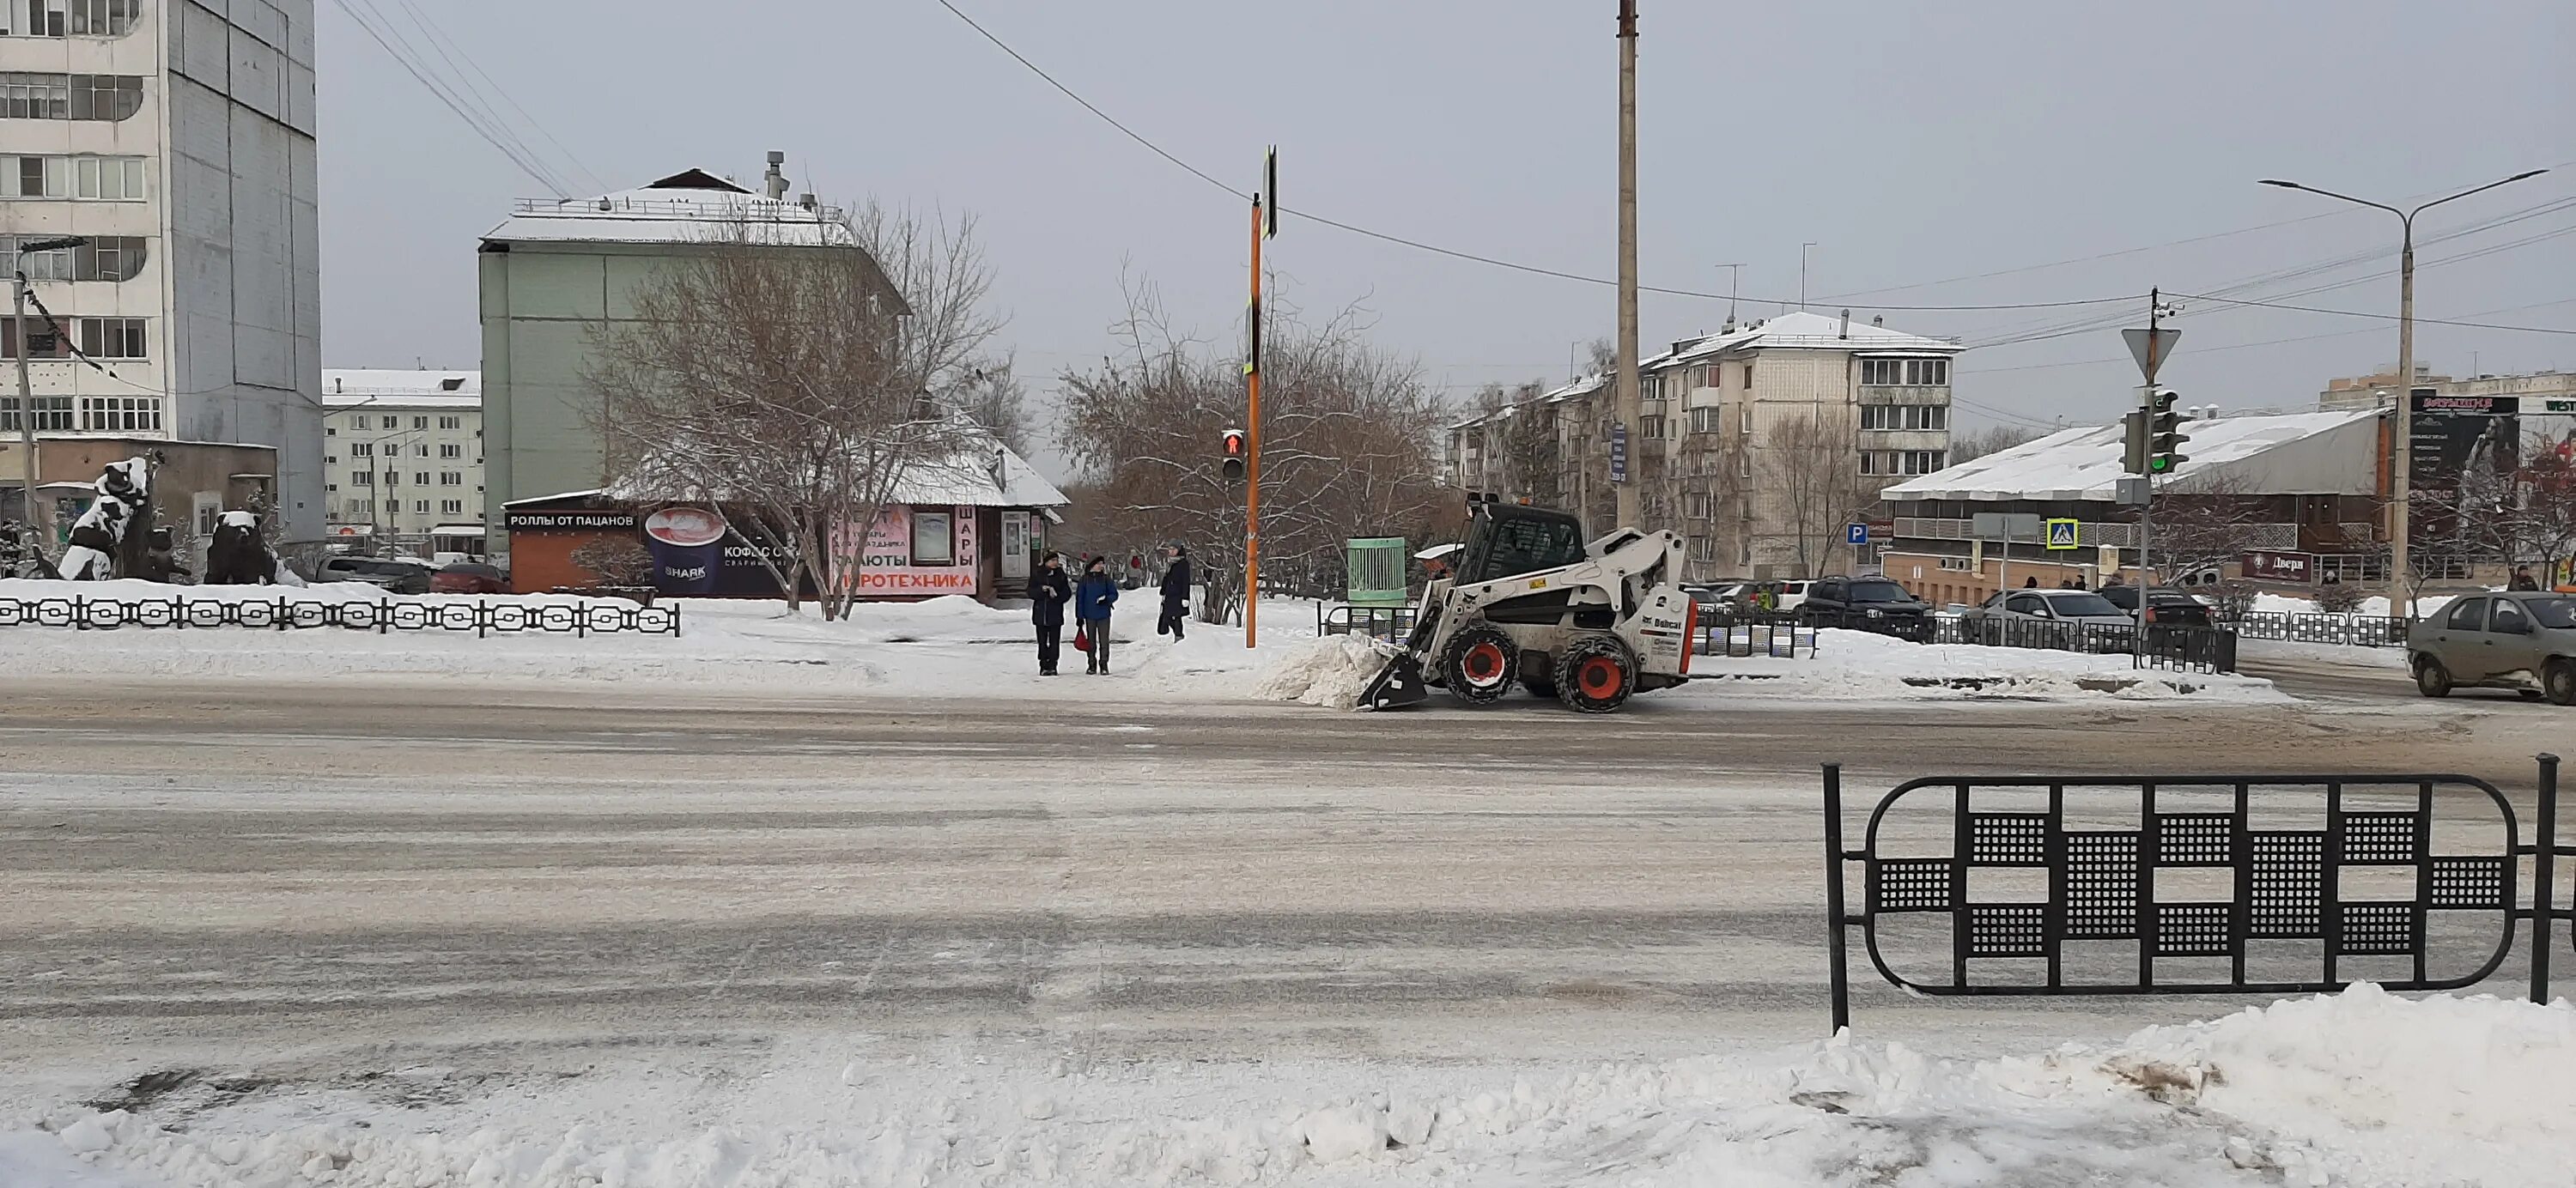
(2147, 506)
(1252, 447)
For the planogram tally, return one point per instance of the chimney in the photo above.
(1846, 331)
(1879, 320)
(774, 182)
(806, 200)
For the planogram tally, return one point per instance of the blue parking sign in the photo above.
(1856, 534)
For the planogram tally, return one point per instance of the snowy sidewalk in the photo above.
(2363, 1090)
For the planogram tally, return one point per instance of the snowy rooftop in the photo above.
(692, 206)
(982, 473)
(1804, 330)
(350, 387)
(2083, 464)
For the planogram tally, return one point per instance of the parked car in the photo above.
(1868, 604)
(468, 577)
(2166, 605)
(2049, 606)
(2524, 641)
(1790, 594)
(398, 576)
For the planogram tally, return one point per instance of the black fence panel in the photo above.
(1781, 637)
(2199, 649)
(2364, 631)
(481, 617)
(2153, 884)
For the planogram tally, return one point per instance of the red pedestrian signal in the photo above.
(1235, 455)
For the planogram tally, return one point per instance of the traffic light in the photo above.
(1234, 454)
(2164, 433)
(2133, 443)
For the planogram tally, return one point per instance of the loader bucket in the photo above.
(1397, 684)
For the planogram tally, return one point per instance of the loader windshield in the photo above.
(1510, 543)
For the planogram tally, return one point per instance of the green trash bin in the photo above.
(1377, 572)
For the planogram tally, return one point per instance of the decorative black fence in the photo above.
(1389, 623)
(1778, 636)
(2363, 631)
(2140, 884)
(481, 617)
(2199, 649)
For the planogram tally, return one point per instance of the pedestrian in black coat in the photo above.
(1176, 593)
(1048, 594)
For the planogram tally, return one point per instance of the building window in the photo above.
(393, 478)
(1748, 375)
(359, 421)
(1923, 461)
(121, 414)
(1925, 373)
(53, 414)
(451, 422)
(451, 450)
(1746, 420)
(104, 257)
(451, 507)
(363, 478)
(420, 422)
(98, 338)
(1650, 428)
(1704, 418)
(420, 478)
(35, 96)
(330, 431)
(360, 449)
(1868, 462)
(68, 18)
(421, 450)
(420, 507)
(393, 505)
(80, 178)
(934, 539)
(451, 478)
(1916, 417)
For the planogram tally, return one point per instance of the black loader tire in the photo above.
(1480, 664)
(1596, 674)
(1538, 674)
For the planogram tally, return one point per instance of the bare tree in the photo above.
(803, 388)
(1346, 447)
(992, 395)
(2205, 523)
(1993, 439)
(617, 560)
(1810, 468)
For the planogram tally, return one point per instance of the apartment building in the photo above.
(176, 140)
(2379, 390)
(403, 455)
(1759, 443)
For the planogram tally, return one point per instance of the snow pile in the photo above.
(2373, 607)
(1861, 665)
(1330, 672)
(2360, 1090)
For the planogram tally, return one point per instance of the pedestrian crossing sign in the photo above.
(2061, 534)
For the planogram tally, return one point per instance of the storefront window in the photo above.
(934, 540)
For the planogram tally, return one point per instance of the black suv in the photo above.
(1867, 604)
(2166, 606)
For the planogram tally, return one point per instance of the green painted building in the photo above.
(557, 271)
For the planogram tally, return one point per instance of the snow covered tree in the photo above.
(801, 388)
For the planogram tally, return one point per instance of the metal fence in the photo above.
(285, 614)
(1783, 638)
(2151, 884)
(1389, 623)
(2364, 631)
(2198, 649)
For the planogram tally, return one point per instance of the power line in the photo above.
(441, 41)
(1435, 249)
(492, 130)
(2242, 346)
(2355, 313)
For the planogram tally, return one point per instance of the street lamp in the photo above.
(2401, 442)
(26, 388)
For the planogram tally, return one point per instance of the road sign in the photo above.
(2004, 526)
(1856, 534)
(2151, 348)
(2062, 535)
(1618, 453)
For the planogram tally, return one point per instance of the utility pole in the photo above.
(1265, 223)
(1734, 273)
(33, 535)
(1630, 397)
(2401, 443)
(1802, 272)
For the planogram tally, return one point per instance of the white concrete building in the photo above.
(403, 454)
(178, 136)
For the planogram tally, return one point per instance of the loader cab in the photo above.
(1507, 540)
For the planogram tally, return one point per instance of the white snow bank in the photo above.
(2375, 606)
(1330, 672)
(2360, 1090)
(1863, 665)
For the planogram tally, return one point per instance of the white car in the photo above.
(2049, 606)
(1793, 593)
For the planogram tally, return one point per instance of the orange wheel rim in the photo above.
(1484, 663)
(1599, 677)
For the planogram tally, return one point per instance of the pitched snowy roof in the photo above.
(350, 387)
(1804, 330)
(692, 206)
(2318, 453)
(982, 472)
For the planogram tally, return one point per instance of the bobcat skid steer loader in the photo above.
(1530, 602)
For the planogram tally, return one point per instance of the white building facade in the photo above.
(178, 137)
(403, 454)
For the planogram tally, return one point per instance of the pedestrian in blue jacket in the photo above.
(1091, 602)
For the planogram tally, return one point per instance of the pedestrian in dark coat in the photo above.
(1048, 594)
(1092, 598)
(1176, 593)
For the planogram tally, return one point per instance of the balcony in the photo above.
(1903, 394)
(1904, 439)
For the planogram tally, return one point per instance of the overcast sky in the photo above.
(1910, 142)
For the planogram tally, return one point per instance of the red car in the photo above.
(467, 577)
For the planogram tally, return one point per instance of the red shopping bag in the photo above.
(1081, 640)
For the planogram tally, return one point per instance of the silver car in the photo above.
(2524, 641)
(2049, 606)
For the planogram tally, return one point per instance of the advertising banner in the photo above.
(916, 552)
(2452, 437)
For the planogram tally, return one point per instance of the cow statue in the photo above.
(240, 555)
(123, 493)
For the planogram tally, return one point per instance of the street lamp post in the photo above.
(26, 387)
(2401, 439)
